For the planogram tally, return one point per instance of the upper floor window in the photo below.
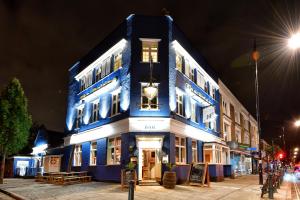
(200, 80)
(226, 132)
(146, 103)
(115, 104)
(79, 117)
(114, 151)
(213, 92)
(246, 138)
(237, 117)
(97, 74)
(77, 158)
(193, 112)
(180, 150)
(150, 50)
(194, 151)
(82, 83)
(89, 80)
(179, 60)
(206, 87)
(93, 153)
(105, 67)
(187, 68)
(118, 61)
(238, 136)
(95, 113)
(179, 104)
(192, 74)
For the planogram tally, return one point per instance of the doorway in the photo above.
(149, 163)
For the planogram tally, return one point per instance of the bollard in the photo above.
(131, 190)
(271, 186)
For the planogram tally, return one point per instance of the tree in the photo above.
(15, 121)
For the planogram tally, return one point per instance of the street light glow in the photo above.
(296, 149)
(295, 153)
(297, 123)
(294, 41)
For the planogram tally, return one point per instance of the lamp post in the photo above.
(255, 57)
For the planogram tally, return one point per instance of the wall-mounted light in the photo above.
(151, 90)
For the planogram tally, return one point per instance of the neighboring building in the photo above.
(239, 130)
(111, 119)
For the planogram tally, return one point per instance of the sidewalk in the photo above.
(242, 188)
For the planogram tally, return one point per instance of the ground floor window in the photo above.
(114, 151)
(194, 151)
(180, 146)
(216, 153)
(77, 158)
(93, 153)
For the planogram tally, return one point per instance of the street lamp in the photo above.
(294, 41)
(296, 149)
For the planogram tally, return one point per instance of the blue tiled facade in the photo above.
(132, 124)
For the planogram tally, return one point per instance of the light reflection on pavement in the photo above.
(290, 177)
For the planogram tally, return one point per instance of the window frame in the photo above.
(95, 111)
(79, 117)
(193, 112)
(114, 160)
(149, 108)
(180, 147)
(77, 154)
(93, 150)
(149, 51)
(115, 103)
(194, 151)
(179, 104)
(179, 62)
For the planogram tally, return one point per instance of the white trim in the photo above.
(120, 45)
(150, 39)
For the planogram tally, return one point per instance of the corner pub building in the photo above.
(111, 120)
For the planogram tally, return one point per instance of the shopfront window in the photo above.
(93, 153)
(180, 146)
(77, 158)
(114, 151)
(194, 151)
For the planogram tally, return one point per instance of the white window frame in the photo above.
(150, 49)
(95, 111)
(79, 117)
(200, 80)
(194, 151)
(193, 112)
(181, 147)
(179, 61)
(98, 74)
(117, 60)
(77, 156)
(115, 103)
(187, 67)
(192, 74)
(114, 147)
(82, 83)
(93, 153)
(179, 104)
(149, 105)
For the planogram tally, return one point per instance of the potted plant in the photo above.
(169, 178)
(130, 171)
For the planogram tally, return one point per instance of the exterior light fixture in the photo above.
(150, 90)
(294, 41)
(296, 149)
(295, 153)
(297, 123)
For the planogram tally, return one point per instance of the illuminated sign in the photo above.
(197, 95)
(149, 124)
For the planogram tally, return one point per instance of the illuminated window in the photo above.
(180, 150)
(147, 104)
(187, 68)
(118, 61)
(149, 48)
(98, 74)
(192, 74)
(79, 117)
(206, 88)
(194, 151)
(213, 92)
(179, 104)
(200, 80)
(193, 111)
(115, 107)
(77, 158)
(95, 113)
(179, 62)
(89, 79)
(114, 151)
(105, 67)
(93, 153)
(82, 83)
(238, 136)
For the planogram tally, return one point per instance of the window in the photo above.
(150, 48)
(118, 61)
(192, 74)
(82, 83)
(179, 104)
(238, 136)
(187, 68)
(200, 80)
(213, 92)
(147, 104)
(79, 117)
(237, 117)
(193, 112)
(105, 67)
(226, 135)
(89, 80)
(93, 153)
(180, 150)
(95, 113)
(115, 104)
(194, 151)
(179, 62)
(98, 74)
(206, 88)
(77, 158)
(114, 151)
(246, 138)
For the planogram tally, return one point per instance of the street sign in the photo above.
(251, 149)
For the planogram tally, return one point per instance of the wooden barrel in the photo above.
(169, 180)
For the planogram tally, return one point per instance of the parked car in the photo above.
(297, 171)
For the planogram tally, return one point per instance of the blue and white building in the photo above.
(110, 120)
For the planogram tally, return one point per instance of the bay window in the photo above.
(180, 147)
(93, 153)
(114, 151)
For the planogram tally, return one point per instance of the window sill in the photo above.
(142, 62)
(115, 115)
(155, 110)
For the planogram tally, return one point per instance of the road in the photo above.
(296, 189)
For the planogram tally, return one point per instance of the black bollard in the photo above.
(271, 189)
(131, 190)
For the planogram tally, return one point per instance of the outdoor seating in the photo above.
(64, 178)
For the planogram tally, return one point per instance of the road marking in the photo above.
(297, 190)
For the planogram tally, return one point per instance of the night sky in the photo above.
(40, 40)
